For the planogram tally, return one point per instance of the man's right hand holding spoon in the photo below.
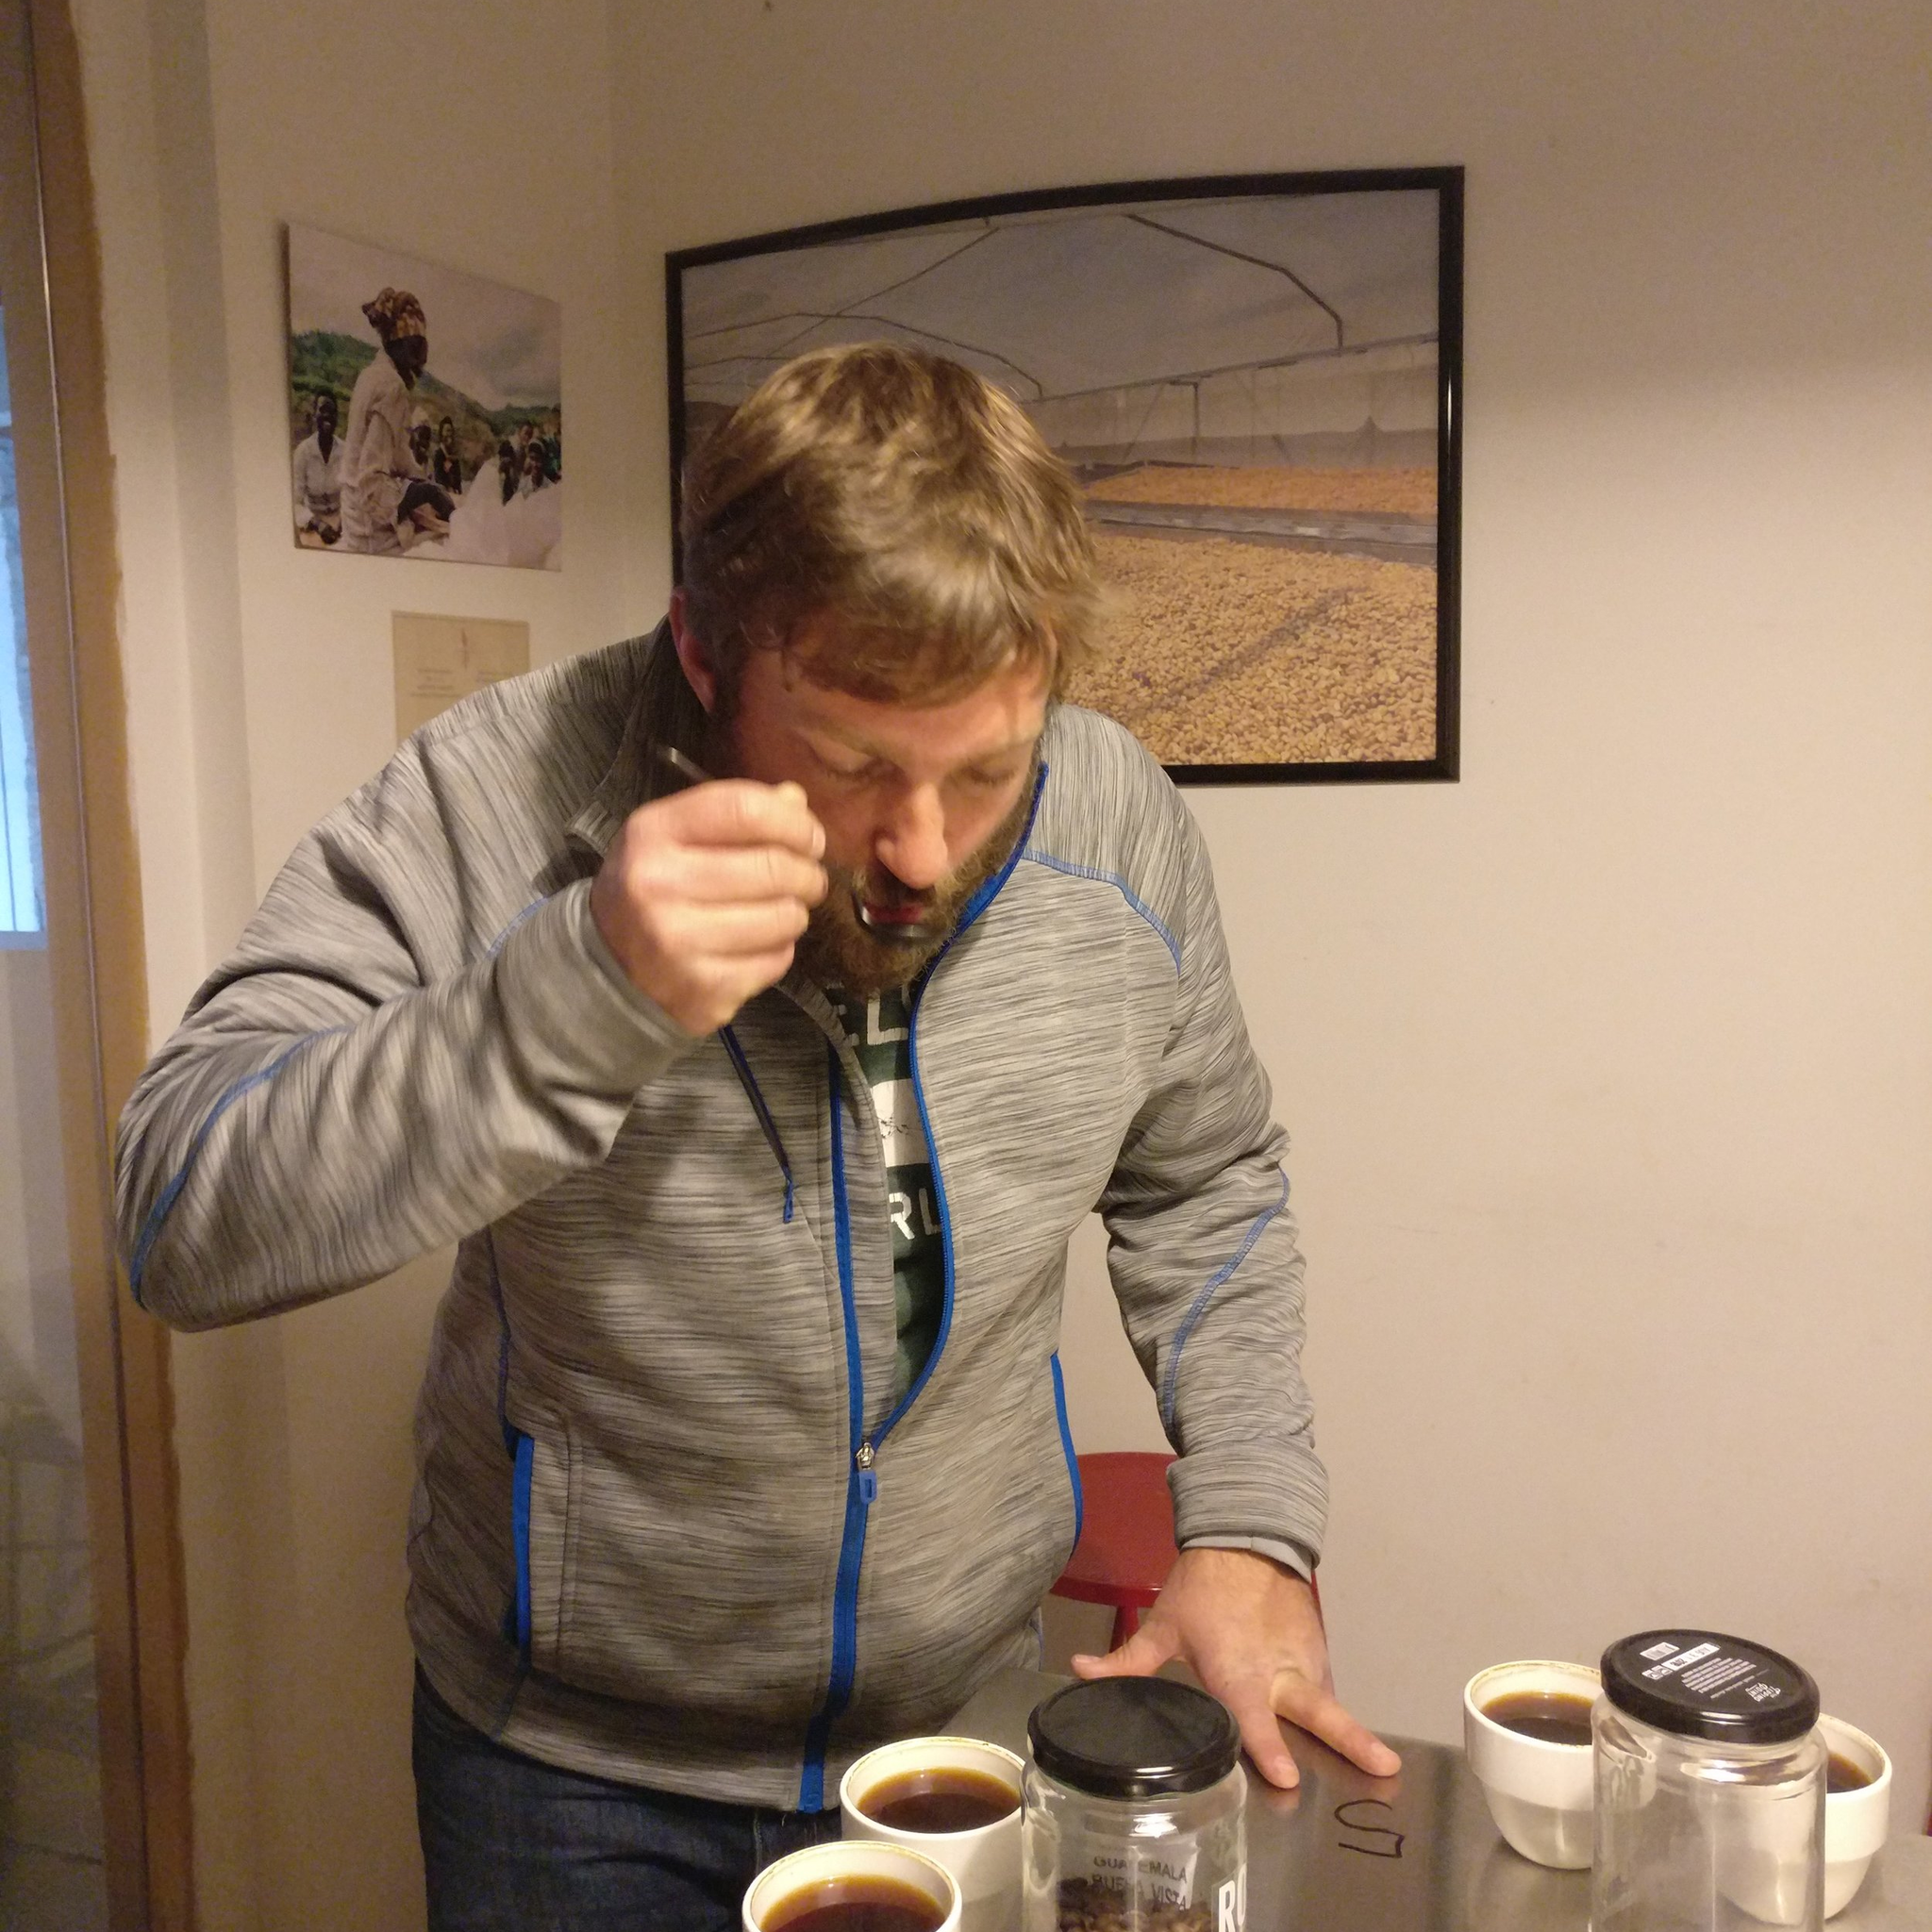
(704, 894)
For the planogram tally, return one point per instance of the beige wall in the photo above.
(1607, 1067)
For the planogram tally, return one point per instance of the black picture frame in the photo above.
(1117, 270)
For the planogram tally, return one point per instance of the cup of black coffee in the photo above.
(852, 1886)
(1525, 1732)
(957, 1801)
(1858, 1794)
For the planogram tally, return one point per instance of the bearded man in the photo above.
(760, 1005)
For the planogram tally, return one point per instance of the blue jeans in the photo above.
(514, 1845)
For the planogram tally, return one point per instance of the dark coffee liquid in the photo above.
(856, 1903)
(944, 1798)
(1842, 1774)
(1552, 1717)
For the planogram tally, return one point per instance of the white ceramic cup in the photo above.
(1855, 1821)
(1763, 1863)
(816, 1863)
(985, 1862)
(1539, 1794)
(1764, 1873)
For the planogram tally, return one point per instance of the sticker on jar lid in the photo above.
(1682, 1660)
(1699, 1684)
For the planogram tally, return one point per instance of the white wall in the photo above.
(1606, 1066)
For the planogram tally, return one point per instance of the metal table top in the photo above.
(1418, 1853)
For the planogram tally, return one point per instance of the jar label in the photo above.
(1231, 1904)
(1114, 1890)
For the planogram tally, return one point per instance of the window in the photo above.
(23, 913)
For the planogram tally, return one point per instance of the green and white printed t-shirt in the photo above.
(880, 1030)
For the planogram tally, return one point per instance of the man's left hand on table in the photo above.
(1250, 1630)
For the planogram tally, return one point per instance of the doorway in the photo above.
(93, 1802)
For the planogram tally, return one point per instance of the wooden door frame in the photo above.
(97, 952)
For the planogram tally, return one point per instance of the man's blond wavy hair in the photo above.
(907, 500)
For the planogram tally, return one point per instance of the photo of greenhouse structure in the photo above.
(1249, 389)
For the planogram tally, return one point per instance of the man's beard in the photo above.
(837, 949)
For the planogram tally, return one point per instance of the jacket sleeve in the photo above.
(348, 1090)
(1202, 1255)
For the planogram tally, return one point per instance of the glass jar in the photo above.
(1134, 1811)
(1710, 1788)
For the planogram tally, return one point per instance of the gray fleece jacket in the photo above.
(670, 1525)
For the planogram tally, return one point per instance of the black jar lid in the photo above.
(1698, 1684)
(1134, 1737)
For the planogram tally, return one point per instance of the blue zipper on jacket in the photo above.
(862, 1483)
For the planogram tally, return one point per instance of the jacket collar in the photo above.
(664, 710)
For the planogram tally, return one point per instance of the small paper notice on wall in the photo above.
(440, 660)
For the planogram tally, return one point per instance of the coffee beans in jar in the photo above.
(1133, 1820)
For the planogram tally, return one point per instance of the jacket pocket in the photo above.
(1060, 1409)
(539, 1519)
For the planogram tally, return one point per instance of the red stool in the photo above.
(1126, 1538)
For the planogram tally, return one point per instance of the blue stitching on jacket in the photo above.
(1200, 1307)
(172, 1192)
(495, 945)
(749, 1083)
(1120, 885)
(1060, 1405)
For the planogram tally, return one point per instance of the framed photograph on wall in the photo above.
(1257, 380)
(426, 410)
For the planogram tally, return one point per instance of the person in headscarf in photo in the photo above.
(318, 478)
(509, 468)
(385, 491)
